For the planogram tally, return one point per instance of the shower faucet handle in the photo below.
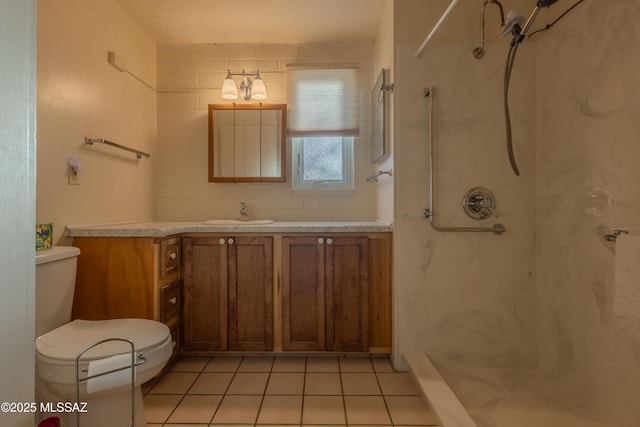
(479, 203)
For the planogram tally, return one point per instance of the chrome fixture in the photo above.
(244, 212)
(136, 359)
(479, 51)
(429, 213)
(139, 154)
(375, 176)
(612, 237)
(248, 89)
(479, 203)
(519, 33)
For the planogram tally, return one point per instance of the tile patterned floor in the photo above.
(284, 391)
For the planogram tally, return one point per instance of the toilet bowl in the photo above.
(104, 401)
(108, 398)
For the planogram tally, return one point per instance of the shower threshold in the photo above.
(472, 396)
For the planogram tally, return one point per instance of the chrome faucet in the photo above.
(244, 212)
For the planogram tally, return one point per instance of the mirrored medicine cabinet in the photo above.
(247, 142)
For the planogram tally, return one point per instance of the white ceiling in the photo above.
(257, 21)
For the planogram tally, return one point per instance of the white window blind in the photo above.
(322, 101)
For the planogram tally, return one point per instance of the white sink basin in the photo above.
(238, 222)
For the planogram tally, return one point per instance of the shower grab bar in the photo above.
(139, 154)
(375, 176)
(429, 213)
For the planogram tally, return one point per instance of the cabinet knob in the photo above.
(173, 255)
(175, 344)
(231, 241)
(222, 241)
(329, 241)
(173, 300)
(320, 240)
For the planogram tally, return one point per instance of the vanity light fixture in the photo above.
(248, 89)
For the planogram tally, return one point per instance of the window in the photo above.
(323, 124)
(323, 162)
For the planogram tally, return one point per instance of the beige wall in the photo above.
(190, 77)
(384, 59)
(79, 94)
(17, 206)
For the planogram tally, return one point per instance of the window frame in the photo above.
(348, 165)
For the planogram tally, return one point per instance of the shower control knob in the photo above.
(479, 203)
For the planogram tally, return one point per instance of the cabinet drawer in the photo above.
(170, 256)
(170, 301)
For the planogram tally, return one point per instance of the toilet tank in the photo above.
(55, 284)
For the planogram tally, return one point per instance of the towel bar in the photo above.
(139, 154)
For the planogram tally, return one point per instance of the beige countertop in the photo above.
(167, 228)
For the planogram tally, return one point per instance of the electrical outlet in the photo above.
(74, 177)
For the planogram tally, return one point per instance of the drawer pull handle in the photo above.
(173, 255)
(173, 300)
(222, 241)
(329, 241)
(231, 241)
(175, 344)
(320, 240)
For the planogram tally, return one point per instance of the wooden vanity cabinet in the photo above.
(255, 293)
(228, 293)
(325, 293)
(130, 277)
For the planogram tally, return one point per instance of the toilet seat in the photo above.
(62, 345)
(56, 351)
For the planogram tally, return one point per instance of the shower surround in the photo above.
(534, 304)
(588, 82)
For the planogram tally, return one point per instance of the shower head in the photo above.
(520, 31)
(513, 22)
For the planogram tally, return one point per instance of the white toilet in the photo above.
(59, 341)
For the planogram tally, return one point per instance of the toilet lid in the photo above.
(67, 341)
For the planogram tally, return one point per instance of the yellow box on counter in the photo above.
(44, 236)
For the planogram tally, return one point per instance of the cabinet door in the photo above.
(347, 296)
(205, 278)
(303, 306)
(250, 293)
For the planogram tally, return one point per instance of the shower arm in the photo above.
(479, 51)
